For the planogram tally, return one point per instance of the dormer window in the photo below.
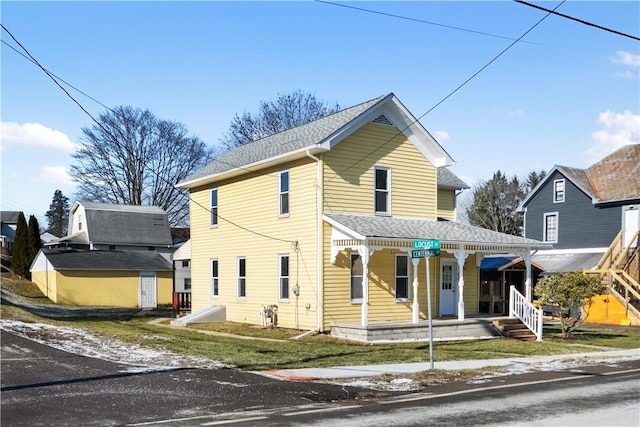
(558, 191)
(382, 197)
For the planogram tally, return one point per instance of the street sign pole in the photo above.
(427, 259)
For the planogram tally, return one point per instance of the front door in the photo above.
(448, 287)
(148, 290)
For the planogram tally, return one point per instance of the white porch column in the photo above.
(416, 306)
(365, 253)
(527, 282)
(461, 256)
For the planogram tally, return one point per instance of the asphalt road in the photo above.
(43, 386)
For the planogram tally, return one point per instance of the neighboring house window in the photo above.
(283, 265)
(284, 193)
(356, 278)
(242, 277)
(214, 207)
(79, 222)
(112, 247)
(151, 248)
(187, 283)
(558, 191)
(550, 227)
(185, 263)
(402, 277)
(214, 278)
(382, 198)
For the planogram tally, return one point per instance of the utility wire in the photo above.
(452, 92)
(129, 151)
(582, 21)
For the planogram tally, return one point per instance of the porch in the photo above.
(446, 328)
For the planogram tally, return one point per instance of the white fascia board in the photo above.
(252, 167)
(344, 232)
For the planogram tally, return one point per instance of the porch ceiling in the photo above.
(390, 232)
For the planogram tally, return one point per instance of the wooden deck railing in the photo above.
(181, 302)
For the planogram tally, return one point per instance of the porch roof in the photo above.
(387, 231)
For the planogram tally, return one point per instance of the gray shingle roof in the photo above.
(448, 179)
(107, 260)
(10, 217)
(415, 229)
(566, 262)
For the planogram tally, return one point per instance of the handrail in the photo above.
(529, 314)
(609, 254)
(623, 251)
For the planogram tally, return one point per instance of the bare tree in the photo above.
(133, 157)
(286, 112)
(495, 203)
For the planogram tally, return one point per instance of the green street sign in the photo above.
(424, 253)
(427, 244)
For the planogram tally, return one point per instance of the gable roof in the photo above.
(71, 259)
(447, 179)
(125, 224)
(408, 229)
(318, 136)
(615, 178)
(9, 217)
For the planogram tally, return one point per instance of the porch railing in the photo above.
(529, 314)
(181, 302)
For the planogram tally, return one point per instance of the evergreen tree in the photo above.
(58, 214)
(20, 255)
(534, 179)
(34, 242)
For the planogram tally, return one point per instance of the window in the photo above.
(151, 248)
(356, 278)
(80, 222)
(382, 198)
(402, 277)
(242, 277)
(187, 283)
(214, 207)
(550, 227)
(185, 263)
(283, 265)
(558, 191)
(284, 193)
(112, 247)
(214, 278)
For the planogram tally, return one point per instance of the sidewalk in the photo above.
(521, 364)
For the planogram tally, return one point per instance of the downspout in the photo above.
(319, 242)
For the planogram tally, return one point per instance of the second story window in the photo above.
(382, 198)
(550, 227)
(214, 207)
(284, 194)
(558, 191)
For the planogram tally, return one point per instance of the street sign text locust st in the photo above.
(426, 244)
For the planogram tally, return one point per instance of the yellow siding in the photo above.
(46, 282)
(349, 185)
(446, 204)
(107, 289)
(251, 202)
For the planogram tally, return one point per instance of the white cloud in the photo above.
(619, 129)
(626, 75)
(442, 136)
(516, 113)
(626, 58)
(58, 175)
(34, 135)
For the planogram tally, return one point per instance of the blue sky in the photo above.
(566, 94)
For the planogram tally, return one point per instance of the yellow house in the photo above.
(102, 278)
(316, 226)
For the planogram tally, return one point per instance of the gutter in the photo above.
(319, 241)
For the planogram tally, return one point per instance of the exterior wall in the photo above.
(181, 273)
(349, 187)
(107, 288)
(77, 218)
(447, 204)
(46, 280)
(251, 202)
(580, 223)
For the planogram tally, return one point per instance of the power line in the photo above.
(127, 149)
(453, 91)
(421, 21)
(582, 21)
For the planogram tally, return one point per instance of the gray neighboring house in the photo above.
(182, 268)
(581, 211)
(8, 224)
(104, 226)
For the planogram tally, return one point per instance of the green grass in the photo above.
(205, 340)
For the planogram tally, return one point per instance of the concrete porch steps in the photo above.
(514, 328)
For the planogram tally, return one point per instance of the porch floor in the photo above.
(445, 328)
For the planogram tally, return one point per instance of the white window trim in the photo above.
(281, 298)
(238, 297)
(353, 300)
(212, 277)
(564, 190)
(280, 193)
(375, 191)
(395, 277)
(211, 206)
(544, 227)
